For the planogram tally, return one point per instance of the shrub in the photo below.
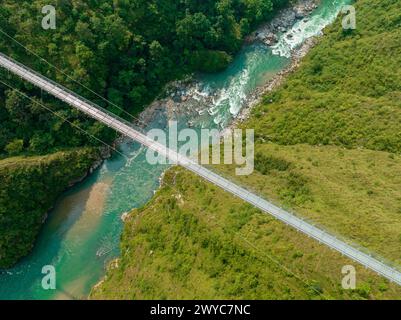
(15, 147)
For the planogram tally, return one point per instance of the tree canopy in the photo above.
(124, 50)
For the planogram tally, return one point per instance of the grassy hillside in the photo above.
(28, 189)
(348, 89)
(328, 147)
(353, 193)
(195, 241)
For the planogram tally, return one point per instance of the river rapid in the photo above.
(81, 234)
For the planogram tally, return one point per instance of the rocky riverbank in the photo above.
(269, 32)
(189, 99)
(256, 96)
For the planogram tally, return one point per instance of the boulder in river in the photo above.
(270, 39)
(299, 15)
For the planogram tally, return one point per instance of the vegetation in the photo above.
(195, 241)
(347, 91)
(28, 190)
(328, 147)
(124, 50)
(354, 193)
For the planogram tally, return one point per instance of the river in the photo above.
(81, 234)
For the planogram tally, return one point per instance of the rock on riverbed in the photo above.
(285, 19)
(184, 99)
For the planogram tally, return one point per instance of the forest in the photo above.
(29, 188)
(126, 51)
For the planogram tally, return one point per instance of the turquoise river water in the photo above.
(81, 234)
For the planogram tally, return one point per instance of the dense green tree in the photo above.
(124, 50)
(41, 142)
(15, 147)
(28, 189)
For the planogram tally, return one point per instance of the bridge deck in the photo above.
(126, 129)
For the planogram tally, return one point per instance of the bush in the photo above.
(210, 61)
(15, 147)
(265, 164)
(28, 189)
(41, 142)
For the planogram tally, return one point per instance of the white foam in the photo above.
(303, 30)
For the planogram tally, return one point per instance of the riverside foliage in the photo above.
(29, 187)
(124, 50)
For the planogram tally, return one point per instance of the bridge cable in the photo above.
(171, 186)
(69, 77)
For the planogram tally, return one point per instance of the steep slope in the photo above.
(29, 187)
(328, 147)
(194, 241)
(347, 91)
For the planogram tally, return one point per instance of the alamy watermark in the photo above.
(49, 280)
(204, 147)
(49, 20)
(349, 19)
(349, 280)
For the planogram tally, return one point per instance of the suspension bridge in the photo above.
(124, 127)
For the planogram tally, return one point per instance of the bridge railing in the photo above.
(117, 117)
(307, 221)
(284, 215)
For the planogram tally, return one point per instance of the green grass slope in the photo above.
(348, 89)
(195, 241)
(354, 194)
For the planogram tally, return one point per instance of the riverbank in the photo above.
(186, 98)
(257, 96)
(29, 189)
(268, 33)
